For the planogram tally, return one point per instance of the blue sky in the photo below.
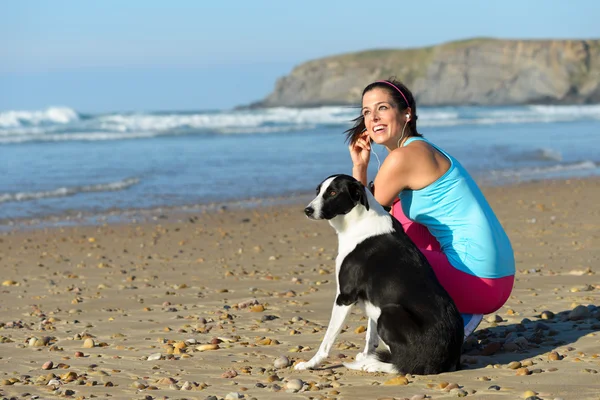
(189, 55)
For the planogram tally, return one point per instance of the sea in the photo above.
(59, 166)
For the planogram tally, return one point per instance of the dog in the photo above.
(414, 326)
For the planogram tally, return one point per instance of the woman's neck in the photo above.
(400, 143)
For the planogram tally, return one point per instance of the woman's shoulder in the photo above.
(406, 160)
(415, 151)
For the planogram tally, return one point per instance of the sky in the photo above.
(135, 55)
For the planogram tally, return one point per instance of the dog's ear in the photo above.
(357, 191)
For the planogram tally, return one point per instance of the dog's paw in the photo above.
(355, 365)
(374, 365)
(301, 366)
(370, 367)
(310, 364)
(358, 362)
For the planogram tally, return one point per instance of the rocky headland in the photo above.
(470, 72)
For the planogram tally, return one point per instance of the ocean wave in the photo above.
(68, 191)
(63, 124)
(265, 129)
(551, 169)
(592, 110)
(82, 136)
(542, 154)
(228, 120)
(51, 115)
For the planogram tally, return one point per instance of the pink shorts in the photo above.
(472, 295)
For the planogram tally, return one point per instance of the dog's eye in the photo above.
(332, 193)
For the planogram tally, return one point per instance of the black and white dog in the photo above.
(379, 268)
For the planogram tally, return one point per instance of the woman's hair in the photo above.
(401, 96)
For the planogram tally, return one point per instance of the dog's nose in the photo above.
(309, 211)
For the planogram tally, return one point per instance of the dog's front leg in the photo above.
(372, 338)
(338, 316)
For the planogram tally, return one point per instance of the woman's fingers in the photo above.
(365, 144)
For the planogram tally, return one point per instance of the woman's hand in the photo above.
(360, 151)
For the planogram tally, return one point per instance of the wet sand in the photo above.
(200, 304)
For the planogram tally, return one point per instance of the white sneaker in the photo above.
(471, 322)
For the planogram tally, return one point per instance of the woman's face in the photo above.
(382, 117)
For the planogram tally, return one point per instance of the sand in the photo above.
(193, 305)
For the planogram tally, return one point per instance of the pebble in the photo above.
(579, 312)
(48, 365)
(154, 356)
(281, 362)
(514, 365)
(529, 393)
(491, 348)
(399, 380)
(229, 374)
(139, 385)
(547, 315)
(494, 318)
(554, 356)
(418, 397)
(294, 384)
(88, 343)
(207, 347)
(233, 396)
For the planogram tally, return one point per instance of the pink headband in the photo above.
(395, 87)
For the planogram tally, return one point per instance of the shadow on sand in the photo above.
(505, 343)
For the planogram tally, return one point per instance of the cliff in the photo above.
(476, 71)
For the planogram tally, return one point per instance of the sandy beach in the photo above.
(223, 303)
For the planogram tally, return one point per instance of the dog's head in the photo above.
(337, 195)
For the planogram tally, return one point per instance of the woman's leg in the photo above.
(471, 294)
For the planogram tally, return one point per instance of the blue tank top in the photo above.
(460, 218)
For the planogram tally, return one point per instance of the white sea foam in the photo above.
(228, 120)
(83, 136)
(52, 115)
(556, 168)
(265, 129)
(592, 110)
(68, 191)
(63, 124)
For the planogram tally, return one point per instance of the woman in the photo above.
(436, 200)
